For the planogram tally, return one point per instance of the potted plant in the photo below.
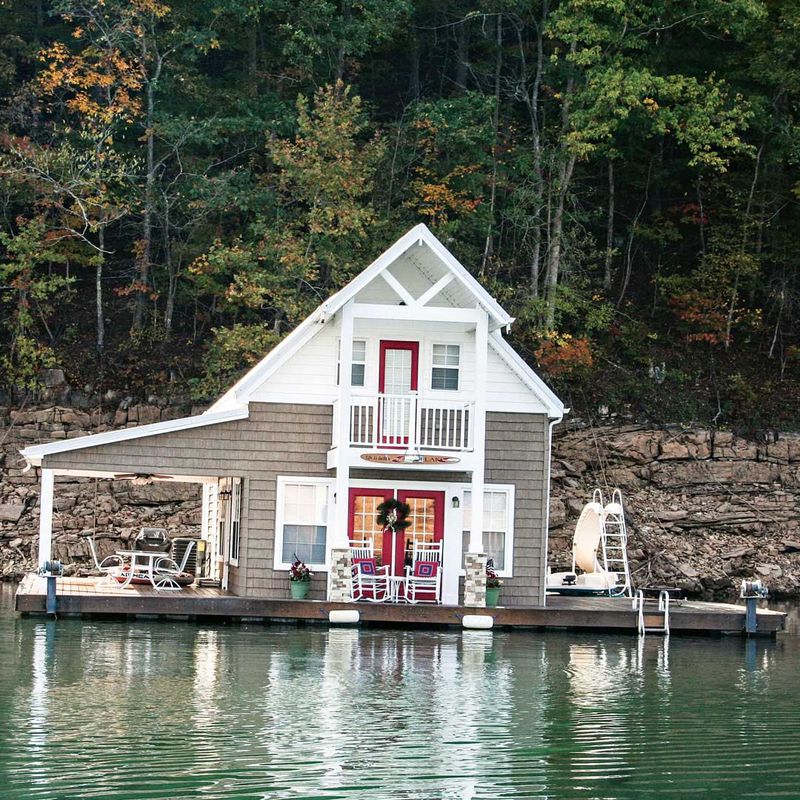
(299, 579)
(493, 584)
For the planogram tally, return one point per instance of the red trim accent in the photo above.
(438, 508)
(384, 494)
(390, 344)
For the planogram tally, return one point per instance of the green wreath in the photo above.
(394, 514)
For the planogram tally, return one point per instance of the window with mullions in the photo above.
(497, 534)
(445, 367)
(358, 368)
(302, 522)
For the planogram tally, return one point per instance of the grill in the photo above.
(152, 540)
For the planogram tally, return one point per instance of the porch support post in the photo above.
(475, 561)
(339, 573)
(46, 517)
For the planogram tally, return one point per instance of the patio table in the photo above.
(396, 583)
(148, 560)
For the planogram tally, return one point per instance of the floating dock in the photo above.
(99, 597)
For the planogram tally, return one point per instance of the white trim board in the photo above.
(35, 453)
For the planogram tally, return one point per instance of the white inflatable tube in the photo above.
(477, 622)
(343, 616)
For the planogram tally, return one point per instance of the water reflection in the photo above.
(167, 711)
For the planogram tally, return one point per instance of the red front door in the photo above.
(398, 377)
(427, 522)
(427, 518)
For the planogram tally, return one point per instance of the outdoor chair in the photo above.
(424, 577)
(369, 581)
(361, 549)
(110, 566)
(168, 575)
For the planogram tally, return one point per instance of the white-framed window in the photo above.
(445, 367)
(303, 508)
(236, 522)
(498, 526)
(358, 369)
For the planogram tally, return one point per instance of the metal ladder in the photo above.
(615, 542)
(652, 622)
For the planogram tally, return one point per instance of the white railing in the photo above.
(408, 421)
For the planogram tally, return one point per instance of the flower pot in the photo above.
(492, 596)
(300, 589)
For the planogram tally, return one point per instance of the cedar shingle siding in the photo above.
(276, 439)
(284, 439)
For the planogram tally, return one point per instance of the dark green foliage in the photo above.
(183, 182)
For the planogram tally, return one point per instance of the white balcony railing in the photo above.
(408, 421)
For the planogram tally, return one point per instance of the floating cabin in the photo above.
(400, 386)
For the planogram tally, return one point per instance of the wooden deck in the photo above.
(99, 597)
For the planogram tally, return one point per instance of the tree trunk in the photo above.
(98, 288)
(145, 255)
(556, 241)
(565, 170)
(609, 228)
(172, 272)
(414, 86)
(532, 101)
(462, 54)
(498, 64)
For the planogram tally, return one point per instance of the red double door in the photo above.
(426, 515)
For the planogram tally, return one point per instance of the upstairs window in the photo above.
(446, 364)
(358, 369)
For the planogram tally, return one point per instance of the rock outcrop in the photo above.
(705, 508)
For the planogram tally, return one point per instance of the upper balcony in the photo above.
(405, 430)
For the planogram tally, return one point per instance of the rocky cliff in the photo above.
(704, 508)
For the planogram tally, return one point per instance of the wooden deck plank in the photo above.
(102, 597)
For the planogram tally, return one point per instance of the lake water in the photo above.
(176, 710)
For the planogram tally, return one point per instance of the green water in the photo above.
(175, 710)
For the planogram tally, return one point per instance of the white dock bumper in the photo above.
(477, 622)
(343, 616)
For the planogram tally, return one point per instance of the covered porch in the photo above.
(207, 546)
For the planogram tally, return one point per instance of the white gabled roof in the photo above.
(498, 316)
(555, 408)
(35, 453)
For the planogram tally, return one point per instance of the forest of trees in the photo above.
(182, 182)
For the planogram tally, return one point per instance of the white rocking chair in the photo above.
(369, 581)
(423, 582)
(361, 549)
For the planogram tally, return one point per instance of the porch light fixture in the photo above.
(456, 501)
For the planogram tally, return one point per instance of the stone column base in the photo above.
(340, 579)
(475, 579)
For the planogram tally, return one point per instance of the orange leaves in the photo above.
(438, 201)
(563, 354)
(705, 316)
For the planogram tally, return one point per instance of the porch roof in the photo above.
(35, 453)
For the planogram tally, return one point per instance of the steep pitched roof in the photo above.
(498, 316)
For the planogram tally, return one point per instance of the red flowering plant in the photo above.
(492, 579)
(299, 571)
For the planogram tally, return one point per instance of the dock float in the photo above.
(98, 597)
